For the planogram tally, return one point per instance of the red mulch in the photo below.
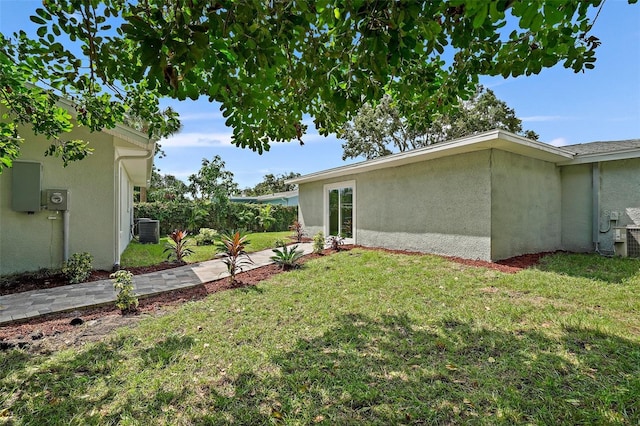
(55, 324)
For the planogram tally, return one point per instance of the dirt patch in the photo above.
(59, 331)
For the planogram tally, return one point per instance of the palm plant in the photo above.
(232, 247)
(286, 257)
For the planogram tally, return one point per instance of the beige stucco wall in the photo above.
(526, 209)
(439, 206)
(30, 242)
(577, 208)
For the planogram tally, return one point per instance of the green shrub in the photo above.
(287, 257)
(126, 300)
(318, 242)
(176, 214)
(279, 242)
(78, 267)
(206, 237)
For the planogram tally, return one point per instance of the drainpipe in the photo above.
(65, 234)
(595, 205)
(117, 204)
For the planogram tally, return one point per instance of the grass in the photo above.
(137, 254)
(361, 337)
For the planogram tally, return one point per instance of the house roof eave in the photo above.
(494, 139)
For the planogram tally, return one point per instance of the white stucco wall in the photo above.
(31, 242)
(526, 202)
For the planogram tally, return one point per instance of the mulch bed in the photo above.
(53, 324)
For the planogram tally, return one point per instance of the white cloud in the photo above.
(197, 140)
(197, 116)
(559, 142)
(535, 118)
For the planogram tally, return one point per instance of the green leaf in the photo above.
(38, 20)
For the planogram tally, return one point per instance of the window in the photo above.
(340, 209)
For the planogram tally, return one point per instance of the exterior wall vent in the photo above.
(633, 242)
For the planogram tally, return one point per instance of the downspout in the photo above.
(65, 234)
(117, 205)
(595, 206)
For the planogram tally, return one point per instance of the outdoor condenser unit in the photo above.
(149, 231)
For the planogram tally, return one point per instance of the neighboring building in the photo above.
(489, 196)
(288, 198)
(48, 211)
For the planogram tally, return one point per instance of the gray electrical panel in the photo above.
(26, 185)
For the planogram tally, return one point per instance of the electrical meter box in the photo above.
(57, 199)
(619, 235)
(26, 184)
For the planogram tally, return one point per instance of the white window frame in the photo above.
(339, 185)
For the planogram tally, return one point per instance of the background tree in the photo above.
(378, 131)
(273, 183)
(269, 64)
(166, 187)
(212, 182)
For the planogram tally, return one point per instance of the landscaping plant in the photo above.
(178, 246)
(126, 300)
(265, 217)
(279, 242)
(233, 249)
(318, 242)
(298, 231)
(78, 267)
(206, 237)
(287, 257)
(335, 242)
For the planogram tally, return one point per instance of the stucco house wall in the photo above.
(526, 200)
(33, 241)
(577, 216)
(100, 207)
(438, 206)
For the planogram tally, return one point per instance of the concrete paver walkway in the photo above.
(35, 303)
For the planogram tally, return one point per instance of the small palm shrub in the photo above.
(298, 231)
(232, 247)
(126, 300)
(206, 237)
(78, 267)
(178, 246)
(318, 242)
(287, 257)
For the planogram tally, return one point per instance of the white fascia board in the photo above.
(494, 139)
(625, 154)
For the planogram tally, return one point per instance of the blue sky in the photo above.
(562, 107)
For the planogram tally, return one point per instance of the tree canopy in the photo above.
(212, 182)
(270, 64)
(273, 183)
(381, 130)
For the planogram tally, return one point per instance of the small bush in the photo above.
(206, 237)
(78, 267)
(335, 242)
(287, 257)
(279, 243)
(232, 247)
(126, 300)
(318, 242)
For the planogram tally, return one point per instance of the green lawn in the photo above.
(137, 254)
(362, 337)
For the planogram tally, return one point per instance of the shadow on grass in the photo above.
(395, 372)
(362, 371)
(613, 270)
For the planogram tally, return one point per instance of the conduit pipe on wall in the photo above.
(65, 234)
(117, 204)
